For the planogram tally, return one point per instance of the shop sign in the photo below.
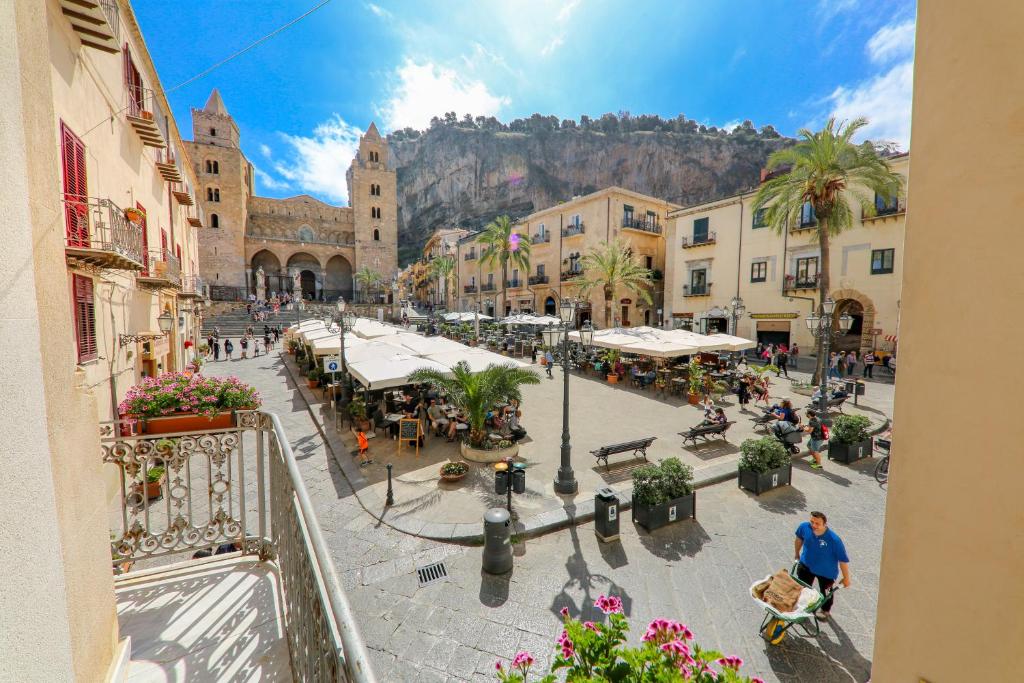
(682, 315)
(875, 330)
(625, 301)
(774, 316)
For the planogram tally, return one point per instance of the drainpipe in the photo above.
(739, 264)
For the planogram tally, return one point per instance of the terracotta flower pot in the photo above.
(188, 422)
(693, 399)
(613, 379)
(148, 115)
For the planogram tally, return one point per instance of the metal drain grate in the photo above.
(432, 573)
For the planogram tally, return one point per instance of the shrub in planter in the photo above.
(313, 376)
(154, 480)
(453, 471)
(849, 439)
(663, 494)
(357, 409)
(764, 465)
(184, 401)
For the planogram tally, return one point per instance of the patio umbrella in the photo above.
(702, 341)
(734, 343)
(477, 359)
(661, 348)
(382, 373)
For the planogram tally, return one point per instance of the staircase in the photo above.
(233, 324)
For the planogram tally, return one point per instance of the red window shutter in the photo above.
(76, 207)
(163, 244)
(85, 318)
(177, 252)
(145, 236)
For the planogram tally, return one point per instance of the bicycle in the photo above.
(882, 468)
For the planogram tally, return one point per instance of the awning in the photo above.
(661, 349)
(424, 346)
(383, 373)
(733, 343)
(331, 346)
(477, 359)
(373, 350)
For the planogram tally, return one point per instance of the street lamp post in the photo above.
(738, 309)
(821, 328)
(565, 482)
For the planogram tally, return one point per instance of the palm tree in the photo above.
(367, 278)
(442, 269)
(610, 267)
(825, 168)
(476, 393)
(501, 245)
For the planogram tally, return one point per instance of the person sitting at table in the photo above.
(650, 377)
(620, 370)
(409, 405)
(635, 376)
(438, 419)
(784, 412)
(453, 426)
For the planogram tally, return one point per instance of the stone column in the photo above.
(248, 281)
(321, 280)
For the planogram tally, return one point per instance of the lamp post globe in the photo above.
(567, 310)
(828, 306)
(165, 321)
(587, 335)
(845, 322)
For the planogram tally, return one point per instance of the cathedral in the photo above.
(258, 245)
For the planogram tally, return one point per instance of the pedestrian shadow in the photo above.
(827, 472)
(709, 450)
(675, 541)
(785, 500)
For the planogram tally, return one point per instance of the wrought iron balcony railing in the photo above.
(98, 233)
(883, 212)
(802, 281)
(193, 287)
(571, 274)
(141, 111)
(469, 256)
(697, 290)
(642, 224)
(512, 284)
(541, 238)
(573, 229)
(487, 287)
(168, 167)
(238, 485)
(469, 289)
(162, 269)
(96, 22)
(538, 279)
(699, 240)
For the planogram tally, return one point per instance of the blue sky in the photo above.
(302, 98)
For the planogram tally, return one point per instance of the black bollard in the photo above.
(391, 492)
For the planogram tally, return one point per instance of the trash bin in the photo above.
(497, 557)
(519, 478)
(606, 515)
(501, 479)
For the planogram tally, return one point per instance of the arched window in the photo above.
(209, 166)
(212, 194)
(214, 220)
(376, 235)
(213, 131)
(305, 234)
(216, 168)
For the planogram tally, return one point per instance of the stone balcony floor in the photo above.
(205, 620)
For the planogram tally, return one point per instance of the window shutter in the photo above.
(76, 208)
(85, 318)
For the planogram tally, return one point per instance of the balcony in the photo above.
(538, 279)
(140, 112)
(192, 287)
(487, 287)
(883, 212)
(573, 230)
(168, 167)
(96, 22)
(699, 240)
(271, 607)
(641, 224)
(803, 226)
(541, 238)
(162, 270)
(195, 221)
(570, 274)
(513, 284)
(98, 234)
(794, 282)
(469, 289)
(697, 290)
(470, 256)
(180, 192)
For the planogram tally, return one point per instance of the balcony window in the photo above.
(806, 270)
(540, 269)
(85, 318)
(760, 218)
(885, 207)
(698, 281)
(882, 260)
(627, 214)
(700, 230)
(759, 271)
(807, 217)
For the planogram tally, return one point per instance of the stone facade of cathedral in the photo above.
(301, 244)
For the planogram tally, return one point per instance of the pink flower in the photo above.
(523, 661)
(675, 647)
(498, 666)
(564, 611)
(731, 662)
(590, 626)
(609, 604)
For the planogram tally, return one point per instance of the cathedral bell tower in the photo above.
(373, 195)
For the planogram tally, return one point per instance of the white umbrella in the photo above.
(424, 346)
(661, 348)
(382, 373)
(329, 346)
(477, 359)
(703, 341)
(368, 329)
(616, 337)
(733, 343)
(376, 350)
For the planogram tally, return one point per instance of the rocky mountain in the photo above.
(464, 173)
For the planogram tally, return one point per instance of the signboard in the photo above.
(774, 316)
(682, 315)
(332, 364)
(625, 301)
(409, 429)
(875, 330)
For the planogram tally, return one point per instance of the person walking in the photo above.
(782, 363)
(549, 359)
(216, 332)
(229, 348)
(851, 363)
(794, 355)
(816, 444)
(209, 346)
(833, 365)
(869, 364)
(743, 392)
(245, 346)
(821, 556)
(216, 349)
(268, 342)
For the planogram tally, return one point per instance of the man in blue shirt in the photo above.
(821, 556)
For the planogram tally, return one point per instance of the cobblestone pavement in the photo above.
(698, 571)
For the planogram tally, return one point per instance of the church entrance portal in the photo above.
(308, 281)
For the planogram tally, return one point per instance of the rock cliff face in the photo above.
(452, 176)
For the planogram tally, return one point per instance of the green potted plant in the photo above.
(454, 471)
(764, 465)
(610, 358)
(663, 494)
(357, 409)
(292, 346)
(313, 377)
(849, 440)
(695, 382)
(155, 476)
(473, 394)
(187, 402)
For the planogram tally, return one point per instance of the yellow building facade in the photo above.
(559, 237)
(721, 250)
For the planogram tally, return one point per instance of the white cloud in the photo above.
(566, 12)
(318, 163)
(268, 181)
(427, 90)
(893, 41)
(884, 99)
(828, 9)
(555, 43)
(378, 10)
(265, 151)
(561, 19)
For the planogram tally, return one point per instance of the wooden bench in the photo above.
(705, 432)
(639, 448)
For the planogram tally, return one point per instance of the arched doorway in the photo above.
(862, 310)
(274, 279)
(338, 279)
(550, 308)
(303, 271)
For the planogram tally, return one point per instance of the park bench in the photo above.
(639, 448)
(705, 432)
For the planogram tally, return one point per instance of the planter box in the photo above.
(759, 482)
(850, 452)
(653, 517)
(186, 423)
(495, 455)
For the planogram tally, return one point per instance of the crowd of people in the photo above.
(250, 340)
